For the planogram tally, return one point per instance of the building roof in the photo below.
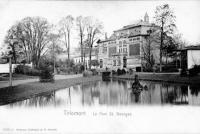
(141, 23)
(197, 47)
(105, 40)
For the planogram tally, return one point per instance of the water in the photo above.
(116, 93)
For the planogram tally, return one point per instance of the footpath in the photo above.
(18, 82)
(161, 77)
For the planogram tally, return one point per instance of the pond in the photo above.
(116, 93)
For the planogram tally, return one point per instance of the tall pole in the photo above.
(54, 63)
(10, 70)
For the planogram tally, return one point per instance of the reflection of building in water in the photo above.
(193, 95)
(114, 93)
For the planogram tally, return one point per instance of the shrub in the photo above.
(23, 69)
(46, 75)
(138, 69)
(94, 72)
(87, 73)
(169, 68)
(34, 72)
(119, 72)
(183, 72)
(114, 72)
(130, 71)
(123, 71)
(195, 70)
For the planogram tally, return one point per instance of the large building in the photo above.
(124, 48)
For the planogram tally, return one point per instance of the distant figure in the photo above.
(136, 86)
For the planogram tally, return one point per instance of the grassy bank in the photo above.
(25, 91)
(17, 77)
(172, 78)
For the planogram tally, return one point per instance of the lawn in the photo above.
(5, 77)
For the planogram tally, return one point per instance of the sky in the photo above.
(113, 14)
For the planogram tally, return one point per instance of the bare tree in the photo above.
(81, 24)
(66, 25)
(93, 28)
(31, 34)
(150, 47)
(166, 20)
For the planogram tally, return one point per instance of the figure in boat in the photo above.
(136, 86)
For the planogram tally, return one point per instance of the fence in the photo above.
(4, 68)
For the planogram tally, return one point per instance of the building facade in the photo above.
(86, 59)
(124, 48)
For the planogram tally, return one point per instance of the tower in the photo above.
(146, 18)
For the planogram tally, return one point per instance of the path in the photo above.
(17, 82)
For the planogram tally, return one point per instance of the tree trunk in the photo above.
(81, 48)
(84, 61)
(90, 57)
(161, 44)
(68, 49)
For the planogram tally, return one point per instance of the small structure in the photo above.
(190, 56)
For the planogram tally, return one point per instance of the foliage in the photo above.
(121, 71)
(46, 68)
(46, 75)
(195, 70)
(150, 48)
(165, 18)
(31, 35)
(87, 73)
(94, 72)
(94, 28)
(81, 24)
(23, 69)
(65, 26)
(94, 62)
(114, 72)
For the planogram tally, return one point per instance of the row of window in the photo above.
(134, 39)
(122, 50)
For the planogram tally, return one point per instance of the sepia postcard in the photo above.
(99, 67)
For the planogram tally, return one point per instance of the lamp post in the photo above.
(10, 70)
(10, 66)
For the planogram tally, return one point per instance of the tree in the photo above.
(93, 28)
(12, 45)
(169, 46)
(166, 20)
(66, 25)
(150, 47)
(31, 33)
(81, 23)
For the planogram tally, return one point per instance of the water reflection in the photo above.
(114, 92)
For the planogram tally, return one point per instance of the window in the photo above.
(134, 49)
(114, 62)
(112, 50)
(119, 62)
(101, 63)
(104, 49)
(124, 50)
